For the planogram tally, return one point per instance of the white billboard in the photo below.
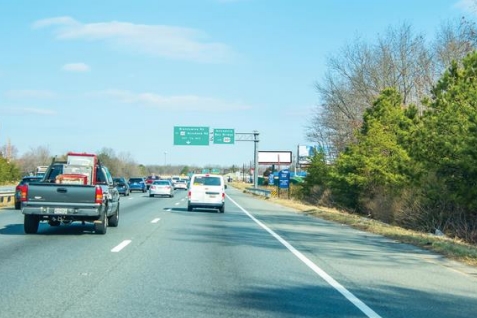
(274, 157)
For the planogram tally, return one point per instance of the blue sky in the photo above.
(84, 75)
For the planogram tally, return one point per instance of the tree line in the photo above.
(14, 167)
(398, 120)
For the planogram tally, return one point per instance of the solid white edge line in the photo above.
(122, 245)
(330, 280)
(155, 220)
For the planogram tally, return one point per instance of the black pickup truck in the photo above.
(79, 189)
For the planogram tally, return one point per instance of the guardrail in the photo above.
(6, 198)
(261, 192)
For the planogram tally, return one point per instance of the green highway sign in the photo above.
(224, 136)
(191, 136)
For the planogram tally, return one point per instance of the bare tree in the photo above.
(128, 167)
(355, 77)
(454, 40)
(9, 151)
(33, 158)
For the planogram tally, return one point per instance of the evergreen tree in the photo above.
(446, 140)
(9, 172)
(379, 160)
(317, 174)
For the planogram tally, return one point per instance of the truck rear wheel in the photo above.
(101, 225)
(31, 223)
(114, 219)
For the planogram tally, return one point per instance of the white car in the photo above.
(162, 188)
(180, 184)
(207, 191)
(174, 179)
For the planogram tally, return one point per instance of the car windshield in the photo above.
(135, 180)
(163, 182)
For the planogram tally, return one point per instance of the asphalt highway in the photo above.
(258, 259)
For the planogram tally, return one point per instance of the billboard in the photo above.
(274, 157)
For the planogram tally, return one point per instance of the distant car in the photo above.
(122, 186)
(161, 187)
(180, 184)
(137, 184)
(21, 185)
(150, 180)
(174, 179)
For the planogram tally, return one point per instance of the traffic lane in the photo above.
(56, 267)
(11, 220)
(374, 268)
(208, 264)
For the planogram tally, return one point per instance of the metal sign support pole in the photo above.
(255, 163)
(247, 137)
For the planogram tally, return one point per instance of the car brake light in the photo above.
(98, 195)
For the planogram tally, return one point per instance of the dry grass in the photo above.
(453, 249)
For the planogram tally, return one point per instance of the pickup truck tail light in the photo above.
(23, 193)
(98, 195)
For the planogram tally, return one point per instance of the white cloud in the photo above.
(175, 103)
(76, 67)
(54, 21)
(156, 40)
(30, 94)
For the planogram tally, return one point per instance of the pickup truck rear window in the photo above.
(56, 170)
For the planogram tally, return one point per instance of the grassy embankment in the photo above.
(450, 248)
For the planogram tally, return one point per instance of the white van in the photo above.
(207, 191)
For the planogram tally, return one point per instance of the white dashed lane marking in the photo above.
(121, 246)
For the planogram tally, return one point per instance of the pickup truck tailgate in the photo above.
(61, 200)
(55, 193)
